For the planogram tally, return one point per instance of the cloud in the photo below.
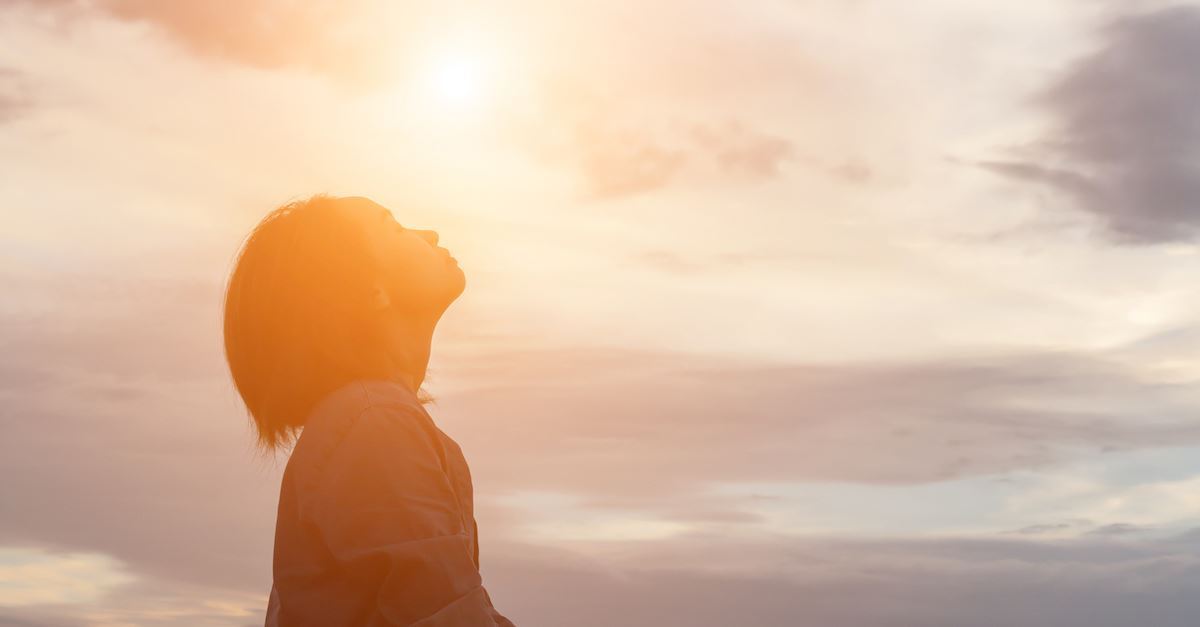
(619, 149)
(265, 33)
(34, 577)
(621, 163)
(698, 95)
(1117, 529)
(150, 446)
(11, 619)
(15, 99)
(632, 427)
(674, 262)
(944, 582)
(124, 382)
(116, 410)
(1082, 528)
(615, 161)
(1035, 530)
(738, 150)
(1125, 145)
(1065, 527)
(146, 602)
(771, 581)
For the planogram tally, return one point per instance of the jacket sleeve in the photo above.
(387, 513)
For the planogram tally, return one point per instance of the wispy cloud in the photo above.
(260, 33)
(615, 161)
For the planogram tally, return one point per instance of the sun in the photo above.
(459, 75)
(464, 79)
(458, 81)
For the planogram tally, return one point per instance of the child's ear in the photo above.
(379, 298)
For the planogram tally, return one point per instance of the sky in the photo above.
(851, 313)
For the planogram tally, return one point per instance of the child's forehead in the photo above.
(365, 208)
(362, 203)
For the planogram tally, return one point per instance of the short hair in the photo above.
(297, 317)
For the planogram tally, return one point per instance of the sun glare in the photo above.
(458, 81)
(458, 75)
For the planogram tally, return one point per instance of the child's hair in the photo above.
(297, 316)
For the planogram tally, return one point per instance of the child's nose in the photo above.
(430, 236)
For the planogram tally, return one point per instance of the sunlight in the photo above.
(458, 75)
(458, 81)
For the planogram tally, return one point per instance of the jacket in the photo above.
(376, 521)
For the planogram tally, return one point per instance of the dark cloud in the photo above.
(14, 618)
(36, 617)
(711, 582)
(1083, 528)
(1125, 146)
(1035, 530)
(776, 581)
(635, 426)
(1073, 525)
(1117, 530)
